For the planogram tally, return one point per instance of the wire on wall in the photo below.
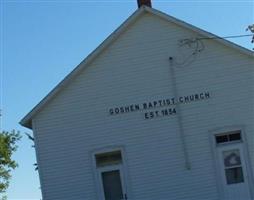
(192, 46)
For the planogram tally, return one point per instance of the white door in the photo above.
(112, 183)
(233, 172)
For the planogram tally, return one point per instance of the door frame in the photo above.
(125, 178)
(246, 157)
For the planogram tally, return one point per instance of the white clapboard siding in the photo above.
(135, 69)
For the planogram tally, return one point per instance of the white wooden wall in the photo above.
(135, 69)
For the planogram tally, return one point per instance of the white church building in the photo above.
(157, 112)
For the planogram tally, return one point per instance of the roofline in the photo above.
(200, 31)
(27, 120)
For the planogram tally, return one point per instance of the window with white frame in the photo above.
(233, 166)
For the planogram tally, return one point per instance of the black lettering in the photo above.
(160, 102)
(181, 99)
(186, 99)
(196, 97)
(146, 116)
(154, 103)
(117, 110)
(173, 100)
(122, 109)
(168, 102)
(201, 95)
(192, 98)
(137, 107)
(150, 105)
(164, 102)
(127, 109)
(111, 111)
(144, 106)
(151, 114)
(170, 111)
(207, 95)
(132, 109)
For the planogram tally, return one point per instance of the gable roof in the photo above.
(27, 120)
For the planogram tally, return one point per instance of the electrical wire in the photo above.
(198, 46)
(231, 36)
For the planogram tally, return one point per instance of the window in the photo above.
(108, 158)
(228, 137)
(233, 166)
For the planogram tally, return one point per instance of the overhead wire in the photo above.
(225, 37)
(199, 46)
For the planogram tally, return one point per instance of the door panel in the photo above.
(112, 185)
(233, 171)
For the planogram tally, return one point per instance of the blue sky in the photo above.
(42, 41)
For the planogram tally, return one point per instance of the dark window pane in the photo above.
(112, 185)
(221, 139)
(234, 136)
(109, 158)
(231, 158)
(234, 175)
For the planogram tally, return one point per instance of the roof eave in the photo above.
(27, 120)
(26, 123)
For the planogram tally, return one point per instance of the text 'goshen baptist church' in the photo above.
(158, 108)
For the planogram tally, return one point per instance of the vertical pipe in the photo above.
(179, 115)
